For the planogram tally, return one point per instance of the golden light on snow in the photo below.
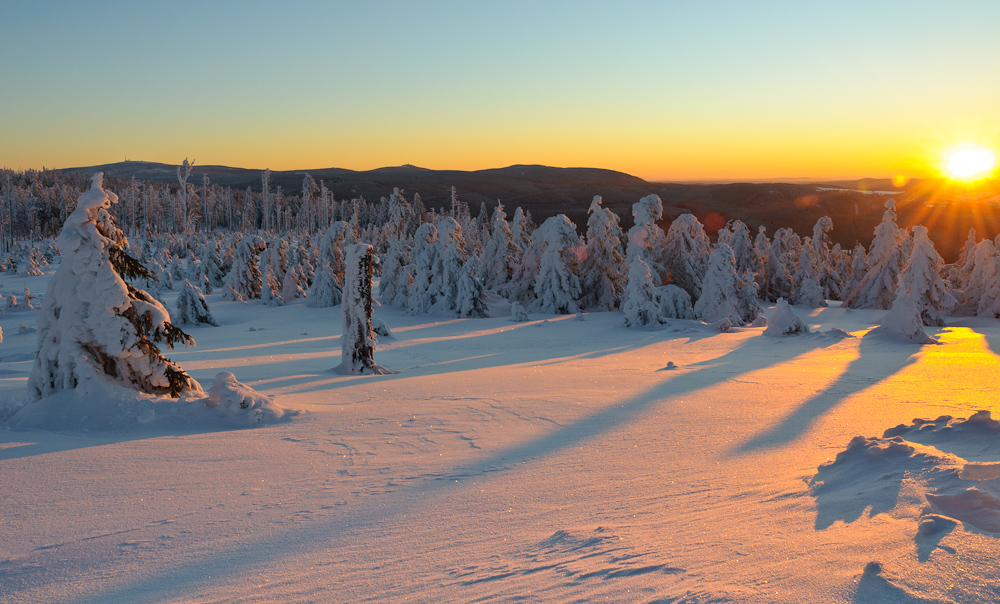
(967, 162)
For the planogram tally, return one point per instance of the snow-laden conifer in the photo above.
(358, 340)
(328, 279)
(720, 289)
(470, 301)
(675, 303)
(557, 284)
(497, 261)
(856, 274)
(603, 270)
(192, 309)
(452, 254)
(421, 294)
(685, 254)
(737, 236)
(808, 291)
(982, 273)
(395, 279)
(646, 239)
(886, 258)
(641, 307)
(93, 326)
(903, 322)
(922, 282)
(244, 280)
(784, 321)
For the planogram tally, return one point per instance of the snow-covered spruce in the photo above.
(94, 326)
(720, 287)
(922, 282)
(497, 262)
(888, 253)
(686, 253)
(244, 280)
(784, 321)
(357, 344)
(641, 307)
(192, 309)
(603, 270)
(903, 322)
(646, 238)
(557, 284)
(471, 299)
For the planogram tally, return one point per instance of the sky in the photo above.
(658, 89)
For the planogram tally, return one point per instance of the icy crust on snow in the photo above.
(931, 459)
(100, 406)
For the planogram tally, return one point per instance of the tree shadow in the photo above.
(755, 354)
(878, 360)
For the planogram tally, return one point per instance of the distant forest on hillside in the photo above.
(160, 198)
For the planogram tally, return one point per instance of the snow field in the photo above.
(552, 460)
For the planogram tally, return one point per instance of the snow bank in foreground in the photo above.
(919, 471)
(103, 406)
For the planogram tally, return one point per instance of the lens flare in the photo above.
(969, 162)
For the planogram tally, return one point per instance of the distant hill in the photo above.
(856, 206)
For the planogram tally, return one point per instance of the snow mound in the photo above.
(784, 321)
(241, 404)
(101, 406)
(921, 471)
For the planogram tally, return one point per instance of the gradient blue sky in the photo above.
(662, 90)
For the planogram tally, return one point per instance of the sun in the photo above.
(968, 162)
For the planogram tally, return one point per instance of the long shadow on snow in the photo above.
(537, 342)
(879, 359)
(757, 353)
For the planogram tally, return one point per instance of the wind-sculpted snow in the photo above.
(947, 488)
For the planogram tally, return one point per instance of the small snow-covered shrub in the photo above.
(784, 321)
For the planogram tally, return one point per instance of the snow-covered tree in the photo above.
(452, 254)
(425, 257)
(641, 307)
(328, 279)
(192, 309)
(886, 258)
(903, 322)
(395, 280)
(808, 291)
(470, 301)
(244, 281)
(720, 289)
(358, 340)
(497, 261)
(93, 325)
(646, 238)
(823, 259)
(922, 282)
(982, 273)
(859, 264)
(603, 270)
(784, 321)
(557, 284)
(685, 254)
(737, 236)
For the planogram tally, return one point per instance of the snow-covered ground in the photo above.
(560, 460)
